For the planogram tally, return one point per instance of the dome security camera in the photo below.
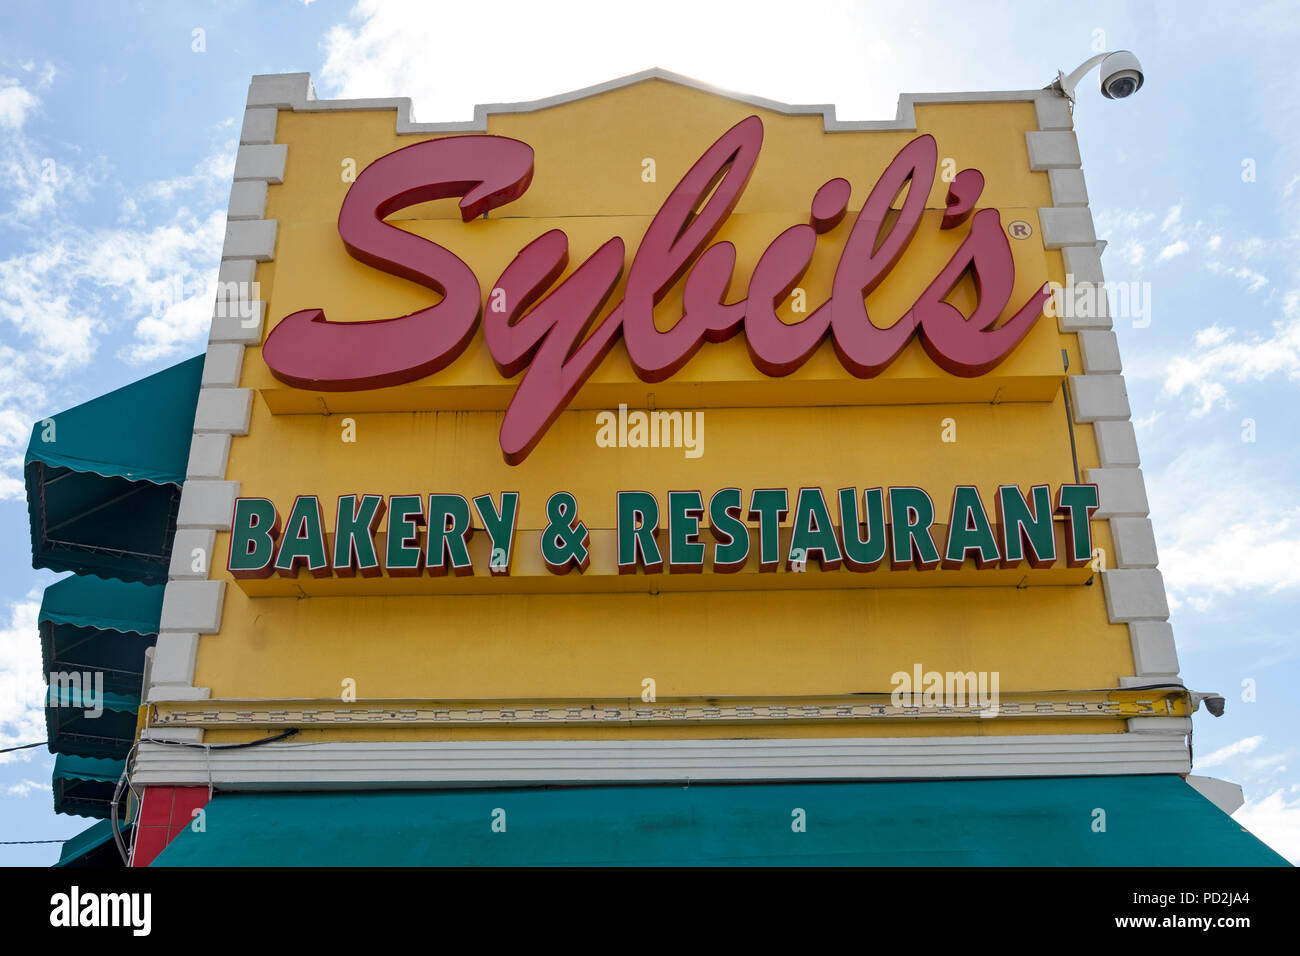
(1121, 75)
(1214, 703)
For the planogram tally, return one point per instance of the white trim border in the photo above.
(289, 765)
(1134, 589)
(192, 603)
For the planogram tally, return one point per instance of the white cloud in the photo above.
(1254, 280)
(1223, 358)
(25, 787)
(1207, 338)
(1132, 233)
(1122, 220)
(158, 279)
(1132, 251)
(1224, 754)
(216, 170)
(862, 63)
(153, 285)
(1172, 218)
(1147, 422)
(22, 400)
(1268, 763)
(22, 686)
(147, 284)
(1214, 538)
(1172, 250)
(34, 181)
(16, 103)
(1276, 820)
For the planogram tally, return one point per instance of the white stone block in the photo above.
(259, 127)
(247, 200)
(1154, 652)
(1068, 188)
(1057, 149)
(1100, 351)
(209, 454)
(1069, 226)
(250, 239)
(261, 162)
(192, 546)
(193, 606)
(224, 410)
(222, 365)
(1117, 444)
(1122, 492)
(207, 504)
(1134, 595)
(1135, 542)
(1099, 397)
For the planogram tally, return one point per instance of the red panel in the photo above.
(156, 807)
(149, 842)
(185, 802)
(164, 813)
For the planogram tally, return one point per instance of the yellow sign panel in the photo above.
(646, 557)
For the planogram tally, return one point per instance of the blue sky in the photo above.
(118, 127)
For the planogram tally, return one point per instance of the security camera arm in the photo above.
(1065, 85)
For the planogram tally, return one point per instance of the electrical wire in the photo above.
(39, 743)
(248, 743)
(125, 778)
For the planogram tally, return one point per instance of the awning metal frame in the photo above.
(160, 559)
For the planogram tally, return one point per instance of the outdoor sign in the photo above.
(552, 343)
(654, 384)
(859, 541)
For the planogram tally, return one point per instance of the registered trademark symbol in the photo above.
(1019, 229)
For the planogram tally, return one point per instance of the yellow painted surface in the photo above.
(819, 426)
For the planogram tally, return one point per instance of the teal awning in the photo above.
(93, 846)
(83, 786)
(1150, 821)
(99, 625)
(103, 478)
(106, 605)
(107, 730)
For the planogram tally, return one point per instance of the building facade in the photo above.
(649, 474)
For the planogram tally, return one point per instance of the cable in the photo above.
(39, 743)
(27, 842)
(117, 796)
(248, 743)
(125, 780)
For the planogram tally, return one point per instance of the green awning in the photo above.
(1149, 821)
(83, 786)
(106, 605)
(99, 625)
(71, 729)
(103, 478)
(93, 847)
